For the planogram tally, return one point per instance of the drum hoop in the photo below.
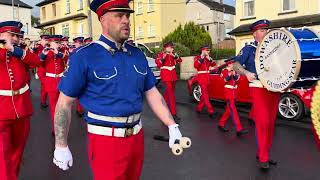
(298, 55)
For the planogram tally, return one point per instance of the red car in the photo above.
(293, 104)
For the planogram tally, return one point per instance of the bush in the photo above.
(181, 49)
(222, 53)
(191, 36)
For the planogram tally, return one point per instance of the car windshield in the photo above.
(145, 49)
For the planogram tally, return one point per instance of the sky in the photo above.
(35, 10)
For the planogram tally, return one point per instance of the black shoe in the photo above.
(264, 165)
(43, 106)
(176, 119)
(242, 132)
(80, 114)
(222, 129)
(213, 115)
(271, 162)
(250, 122)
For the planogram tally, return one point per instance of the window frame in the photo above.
(63, 29)
(151, 5)
(243, 9)
(139, 8)
(68, 6)
(289, 10)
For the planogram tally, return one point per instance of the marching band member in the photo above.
(167, 61)
(265, 103)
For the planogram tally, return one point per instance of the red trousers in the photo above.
(79, 107)
(13, 138)
(231, 109)
(43, 93)
(113, 158)
(204, 99)
(53, 99)
(169, 96)
(265, 108)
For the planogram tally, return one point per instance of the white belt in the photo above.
(230, 86)
(116, 132)
(170, 68)
(129, 119)
(14, 92)
(256, 83)
(203, 72)
(54, 75)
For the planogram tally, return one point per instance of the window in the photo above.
(140, 33)
(139, 7)
(81, 29)
(80, 5)
(15, 13)
(226, 33)
(248, 7)
(150, 5)
(227, 17)
(67, 6)
(43, 12)
(288, 5)
(207, 28)
(65, 30)
(54, 10)
(151, 30)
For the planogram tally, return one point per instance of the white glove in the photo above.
(62, 158)
(174, 134)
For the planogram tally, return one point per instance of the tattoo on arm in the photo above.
(166, 107)
(62, 121)
(239, 69)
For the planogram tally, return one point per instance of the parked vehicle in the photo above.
(151, 61)
(293, 105)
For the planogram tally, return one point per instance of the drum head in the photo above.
(278, 60)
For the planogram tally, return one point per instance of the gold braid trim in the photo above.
(315, 110)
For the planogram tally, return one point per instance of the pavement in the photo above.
(213, 155)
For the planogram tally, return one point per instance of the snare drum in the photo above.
(288, 58)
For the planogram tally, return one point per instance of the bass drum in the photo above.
(288, 58)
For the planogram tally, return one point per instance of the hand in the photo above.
(251, 76)
(55, 51)
(45, 51)
(63, 158)
(164, 56)
(174, 134)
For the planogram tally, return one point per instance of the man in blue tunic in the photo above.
(110, 78)
(264, 102)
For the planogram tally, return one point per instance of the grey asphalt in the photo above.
(213, 155)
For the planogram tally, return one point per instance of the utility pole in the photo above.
(134, 23)
(12, 3)
(89, 19)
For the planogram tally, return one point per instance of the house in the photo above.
(281, 13)
(217, 18)
(19, 12)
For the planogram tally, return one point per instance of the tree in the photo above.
(35, 20)
(191, 36)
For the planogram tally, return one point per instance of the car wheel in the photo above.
(291, 107)
(196, 92)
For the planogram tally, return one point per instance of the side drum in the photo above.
(288, 58)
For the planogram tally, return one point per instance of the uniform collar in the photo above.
(106, 40)
(112, 44)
